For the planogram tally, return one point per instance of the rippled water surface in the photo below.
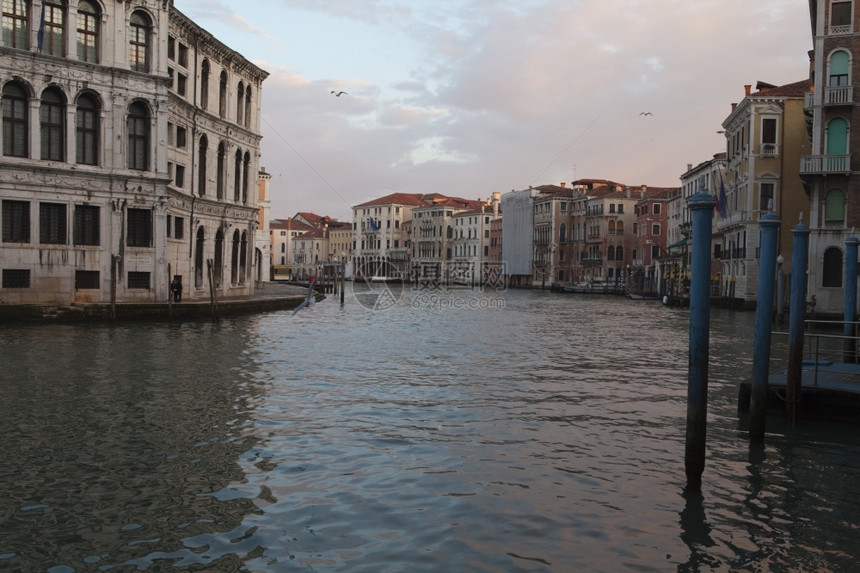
(516, 431)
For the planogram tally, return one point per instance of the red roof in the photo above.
(409, 199)
(796, 89)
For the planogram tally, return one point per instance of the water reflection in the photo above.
(544, 435)
(115, 436)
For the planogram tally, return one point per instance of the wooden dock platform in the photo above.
(829, 390)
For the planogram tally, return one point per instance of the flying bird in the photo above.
(338, 94)
(646, 113)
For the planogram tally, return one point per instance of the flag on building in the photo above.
(41, 34)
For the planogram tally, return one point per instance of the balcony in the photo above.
(825, 164)
(840, 29)
(839, 95)
(769, 150)
(734, 219)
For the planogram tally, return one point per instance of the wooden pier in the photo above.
(829, 390)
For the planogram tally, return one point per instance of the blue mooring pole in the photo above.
(702, 207)
(769, 224)
(797, 314)
(850, 345)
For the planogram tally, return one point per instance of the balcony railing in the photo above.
(824, 164)
(769, 149)
(732, 219)
(841, 29)
(839, 95)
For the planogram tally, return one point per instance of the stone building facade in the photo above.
(101, 165)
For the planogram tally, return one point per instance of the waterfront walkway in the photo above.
(267, 297)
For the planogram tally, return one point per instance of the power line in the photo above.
(299, 155)
(569, 146)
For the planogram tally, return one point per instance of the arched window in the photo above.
(15, 132)
(611, 227)
(838, 69)
(562, 234)
(831, 275)
(138, 136)
(234, 259)
(243, 258)
(88, 31)
(138, 41)
(619, 253)
(51, 37)
(52, 124)
(610, 253)
(619, 228)
(246, 169)
(15, 14)
(834, 207)
(237, 176)
(240, 103)
(201, 166)
(219, 176)
(219, 257)
(198, 259)
(204, 84)
(248, 106)
(222, 95)
(87, 130)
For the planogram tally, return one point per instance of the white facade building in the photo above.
(103, 119)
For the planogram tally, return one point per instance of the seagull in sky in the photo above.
(338, 94)
(646, 113)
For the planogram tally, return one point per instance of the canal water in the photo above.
(457, 430)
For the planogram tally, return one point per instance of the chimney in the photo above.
(689, 166)
(563, 184)
(734, 106)
(747, 88)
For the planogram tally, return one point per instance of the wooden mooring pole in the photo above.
(799, 260)
(769, 224)
(849, 354)
(702, 207)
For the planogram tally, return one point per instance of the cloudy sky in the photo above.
(468, 97)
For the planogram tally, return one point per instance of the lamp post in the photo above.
(342, 273)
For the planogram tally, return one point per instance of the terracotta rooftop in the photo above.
(289, 225)
(796, 89)
(409, 199)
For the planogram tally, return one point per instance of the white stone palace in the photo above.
(130, 155)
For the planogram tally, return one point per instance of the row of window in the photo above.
(52, 127)
(84, 280)
(179, 84)
(88, 140)
(86, 224)
(53, 25)
(53, 223)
